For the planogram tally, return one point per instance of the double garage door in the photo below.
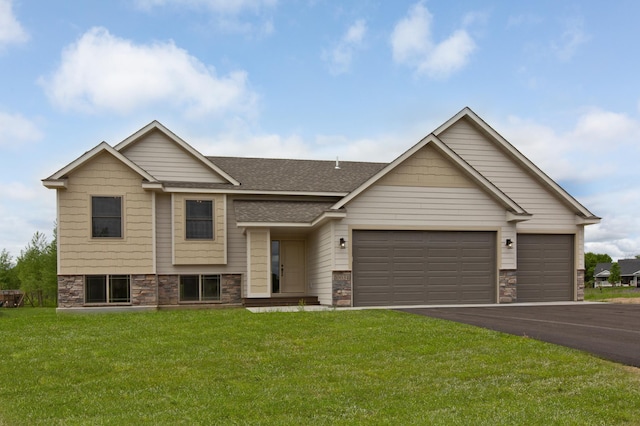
(400, 268)
(423, 267)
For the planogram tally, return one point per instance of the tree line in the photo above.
(34, 271)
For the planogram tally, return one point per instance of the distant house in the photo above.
(601, 274)
(461, 217)
(629, 271)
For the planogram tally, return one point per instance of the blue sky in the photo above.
(362, 80)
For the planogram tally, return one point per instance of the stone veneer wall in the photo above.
(144, 290)
(70, 291)
(341, 285)
(508, 280)
(231, 289)
(168, 286)
(580, 282)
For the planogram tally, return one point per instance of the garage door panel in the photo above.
(424, 267)
(545, 267)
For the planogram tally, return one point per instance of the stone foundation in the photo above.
(231, 289)
(168, 287)
(70, 291)
(148, 290)
(341, 284)
(144, 290)
(580, 285)
(508, 280)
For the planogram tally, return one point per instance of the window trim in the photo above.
(187, 219)
(108, 289)
(201, 278)
(91, 221)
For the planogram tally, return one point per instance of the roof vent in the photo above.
(337, 164)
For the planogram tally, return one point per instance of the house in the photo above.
(629, 271)
(601, 274)
(461, 217)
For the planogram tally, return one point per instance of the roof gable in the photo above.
(170, 157)
(444, 153)
(520, 159)
(58, 179)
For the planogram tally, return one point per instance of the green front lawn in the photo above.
(338, 367)
(603, 293)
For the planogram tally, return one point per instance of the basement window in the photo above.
(199, 288)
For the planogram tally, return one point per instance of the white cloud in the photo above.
(413, 45)
(595, 146)
(571, 39)
(11, 31)
(16, 130)
(340, 57)
(101, 72)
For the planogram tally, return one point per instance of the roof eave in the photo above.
(55, 183)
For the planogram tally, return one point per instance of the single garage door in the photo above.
(545, 267)
(392, 268)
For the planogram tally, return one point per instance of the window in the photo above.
(107, 289)
(199, 219)
(199, 288)
(106, 217)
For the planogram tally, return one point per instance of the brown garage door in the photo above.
(423, 267)
(545, 267)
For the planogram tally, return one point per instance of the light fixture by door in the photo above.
(509, 243)
(343, 243)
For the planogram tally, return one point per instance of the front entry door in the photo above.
(291, 273)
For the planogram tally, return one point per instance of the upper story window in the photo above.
(106, 217)
(199, 219)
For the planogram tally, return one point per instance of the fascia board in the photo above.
(251, 192)
(513, 151)
(156, 125)
(323, 217)
(55, 183)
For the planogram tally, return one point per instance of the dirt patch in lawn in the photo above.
(625, 300)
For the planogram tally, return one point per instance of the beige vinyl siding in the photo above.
(549, 213)
(199, 252)
(394, 207)
(165, 160)
(236, 245)
(258, 263)
(427, 167)
(322, 245)
(79, 253)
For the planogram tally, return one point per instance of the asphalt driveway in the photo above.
(609, 331)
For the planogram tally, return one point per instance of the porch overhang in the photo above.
(284, 214)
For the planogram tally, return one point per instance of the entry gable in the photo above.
(169, 158)
(432, 163)
(429, 168)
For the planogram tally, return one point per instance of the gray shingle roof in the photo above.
(279, 211)
(267, 174)
(600, 267)
(629, 266)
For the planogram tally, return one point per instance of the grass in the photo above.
(604, 293)
(342, 367)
